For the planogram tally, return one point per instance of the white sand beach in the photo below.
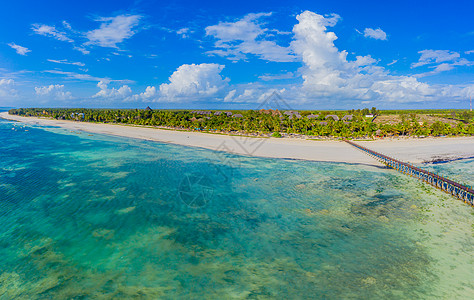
(409, 150)
(423, 150)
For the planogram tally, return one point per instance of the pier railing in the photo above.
(459, 191)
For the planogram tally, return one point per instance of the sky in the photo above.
(236, 55)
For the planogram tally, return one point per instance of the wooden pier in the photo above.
(459, 191)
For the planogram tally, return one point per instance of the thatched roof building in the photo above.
(201, 112)
(334, 117)
(347, 118)
(292, 114)
(312, 116)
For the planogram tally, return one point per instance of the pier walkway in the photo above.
(459, 191)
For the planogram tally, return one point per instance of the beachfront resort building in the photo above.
(291, 113)
(334, 117)
(347, 118)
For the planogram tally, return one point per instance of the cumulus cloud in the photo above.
(113, 30)
(235, 40)
(122, 93)
(328, 74)
(6, 88)
(66, 62)
(51, 31)
(149, 92)
(149, 95)
(55, 91)
(19, 49)
(324, 65)
(377, 34)
(194, 81)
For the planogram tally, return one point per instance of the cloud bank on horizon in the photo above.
(304, 63)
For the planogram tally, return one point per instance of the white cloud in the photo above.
(469, 52)
(183, 32)
(230, 96)
(82, 50)
(247, 94)
(4, 82)
(440, 61)
(330, 77)
(194, 81)
(331, 20)
(66, 62)
(65, 35)
(235, 40)
(67, 25)
(19, 49)
(54, 90)
(76, 76)
(113, 30)
(435, 56)
(150, 94)
(323, 63)
(438, 69)
(327, 73)
(377, 34)
(270, 77)
(393, 62)
(122, 93)
(86, 77)
(6, 88)
(362, 61)
(51, 31)
(257, 93)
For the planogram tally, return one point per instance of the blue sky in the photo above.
(213, 54)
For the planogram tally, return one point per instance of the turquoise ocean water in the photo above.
(89, 216)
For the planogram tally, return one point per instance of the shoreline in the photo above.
(409, 149)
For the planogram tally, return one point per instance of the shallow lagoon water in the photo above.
(461, 170)
(96, 217)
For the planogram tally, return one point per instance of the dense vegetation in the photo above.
(276, 123)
